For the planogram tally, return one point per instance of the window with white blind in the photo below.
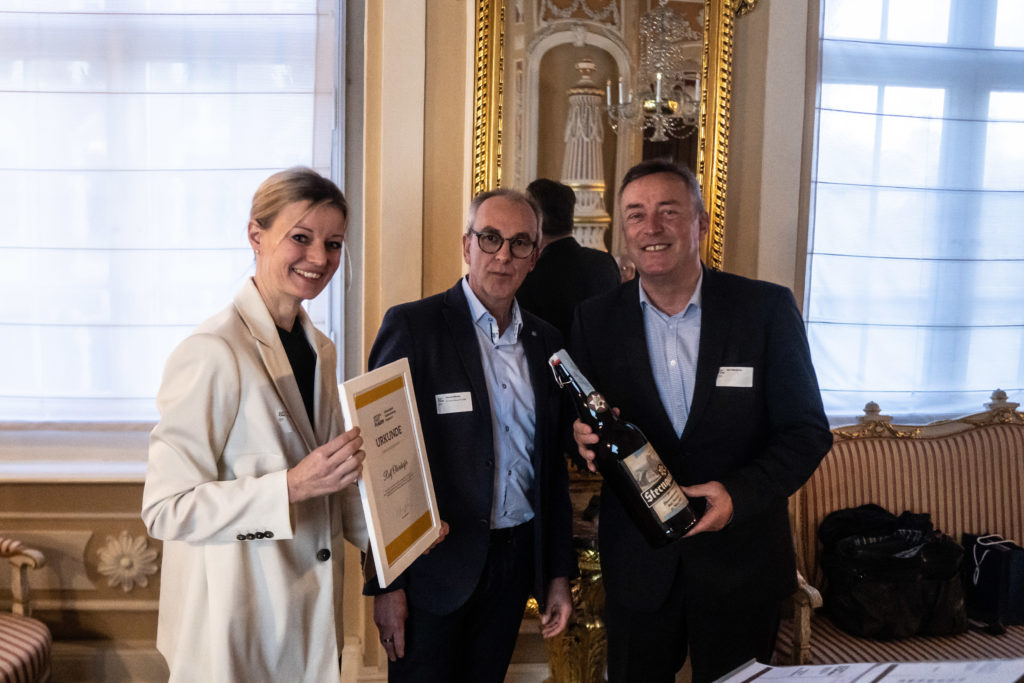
(915, 295)
(133, 134)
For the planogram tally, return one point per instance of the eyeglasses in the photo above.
(492, 242)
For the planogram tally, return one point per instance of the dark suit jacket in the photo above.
(566, 274)
(762, 442)
(436, 334)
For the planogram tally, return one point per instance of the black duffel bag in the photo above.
(900, 578)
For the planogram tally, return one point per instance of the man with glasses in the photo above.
(492, 425)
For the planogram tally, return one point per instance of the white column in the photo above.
(583, 164)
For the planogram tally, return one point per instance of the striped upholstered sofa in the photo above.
(25, 642)
(967, 473)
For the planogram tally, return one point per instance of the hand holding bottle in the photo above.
(627, 461)
(585, 438)
(718, 506)
(718, 512)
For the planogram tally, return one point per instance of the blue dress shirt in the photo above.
(513, 421)
(672, 342)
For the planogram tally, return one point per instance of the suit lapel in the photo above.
(457, 316)
(322, 408)
(257, 318)
(714, 328)
(537, 359)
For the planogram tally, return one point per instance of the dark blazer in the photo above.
(762, 442)
(436, 334)
(566, 274)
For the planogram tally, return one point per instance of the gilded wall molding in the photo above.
(716, 74)
(490, 59)
(715, 113)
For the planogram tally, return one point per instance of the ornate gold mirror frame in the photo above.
(713, 151)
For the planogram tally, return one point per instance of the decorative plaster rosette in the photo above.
(127, 561)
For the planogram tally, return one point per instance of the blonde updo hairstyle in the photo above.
(296, 184)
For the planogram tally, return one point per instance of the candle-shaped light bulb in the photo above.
(608, 92)
(620, 89)
(657, 93)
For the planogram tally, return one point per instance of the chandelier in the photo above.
(667, 87)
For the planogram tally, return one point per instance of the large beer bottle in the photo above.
(627, 461)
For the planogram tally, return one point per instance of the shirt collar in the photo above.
(483, 319)
(695, 298)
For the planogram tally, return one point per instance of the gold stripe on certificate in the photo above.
(407, 537)
(378, 392)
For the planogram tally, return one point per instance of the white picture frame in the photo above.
(396, 489)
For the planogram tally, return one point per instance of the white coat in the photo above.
(247, 591)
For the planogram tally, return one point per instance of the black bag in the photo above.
(994, 579)
(891, 577)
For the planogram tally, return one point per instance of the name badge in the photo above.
(459, 402)
(286, 424)
(735, 377)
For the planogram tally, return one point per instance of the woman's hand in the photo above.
(328, 469)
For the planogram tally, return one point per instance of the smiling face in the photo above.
(495, 278)
(296, 256)
(663, 228)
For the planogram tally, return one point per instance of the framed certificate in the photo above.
(396, 489)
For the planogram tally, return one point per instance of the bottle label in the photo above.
(657, 487)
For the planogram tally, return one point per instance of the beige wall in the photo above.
(448, 141)
(416, 161)
(765, 227)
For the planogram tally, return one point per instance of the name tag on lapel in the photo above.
(286, 424)
(459, 402)
(735, 377)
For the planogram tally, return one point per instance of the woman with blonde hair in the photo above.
(251, 475)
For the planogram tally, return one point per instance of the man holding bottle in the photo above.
(493, 429)
(716, 371)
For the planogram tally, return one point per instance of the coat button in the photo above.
(323, 554)
(268, 534)
(251, 537)
(240, 537)
(260, 534)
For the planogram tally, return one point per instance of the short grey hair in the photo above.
(510, 194)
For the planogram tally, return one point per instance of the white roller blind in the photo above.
(132, 137)
(916, 264)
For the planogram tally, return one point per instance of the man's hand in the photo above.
(559, 607)
(327, 469)
(585, 437)
(389, 613)
(441, 534)
(719, 507)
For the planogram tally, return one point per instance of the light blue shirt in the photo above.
(672, 342)
(513, 420)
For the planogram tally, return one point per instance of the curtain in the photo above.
(133, 136)
(915, 289)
